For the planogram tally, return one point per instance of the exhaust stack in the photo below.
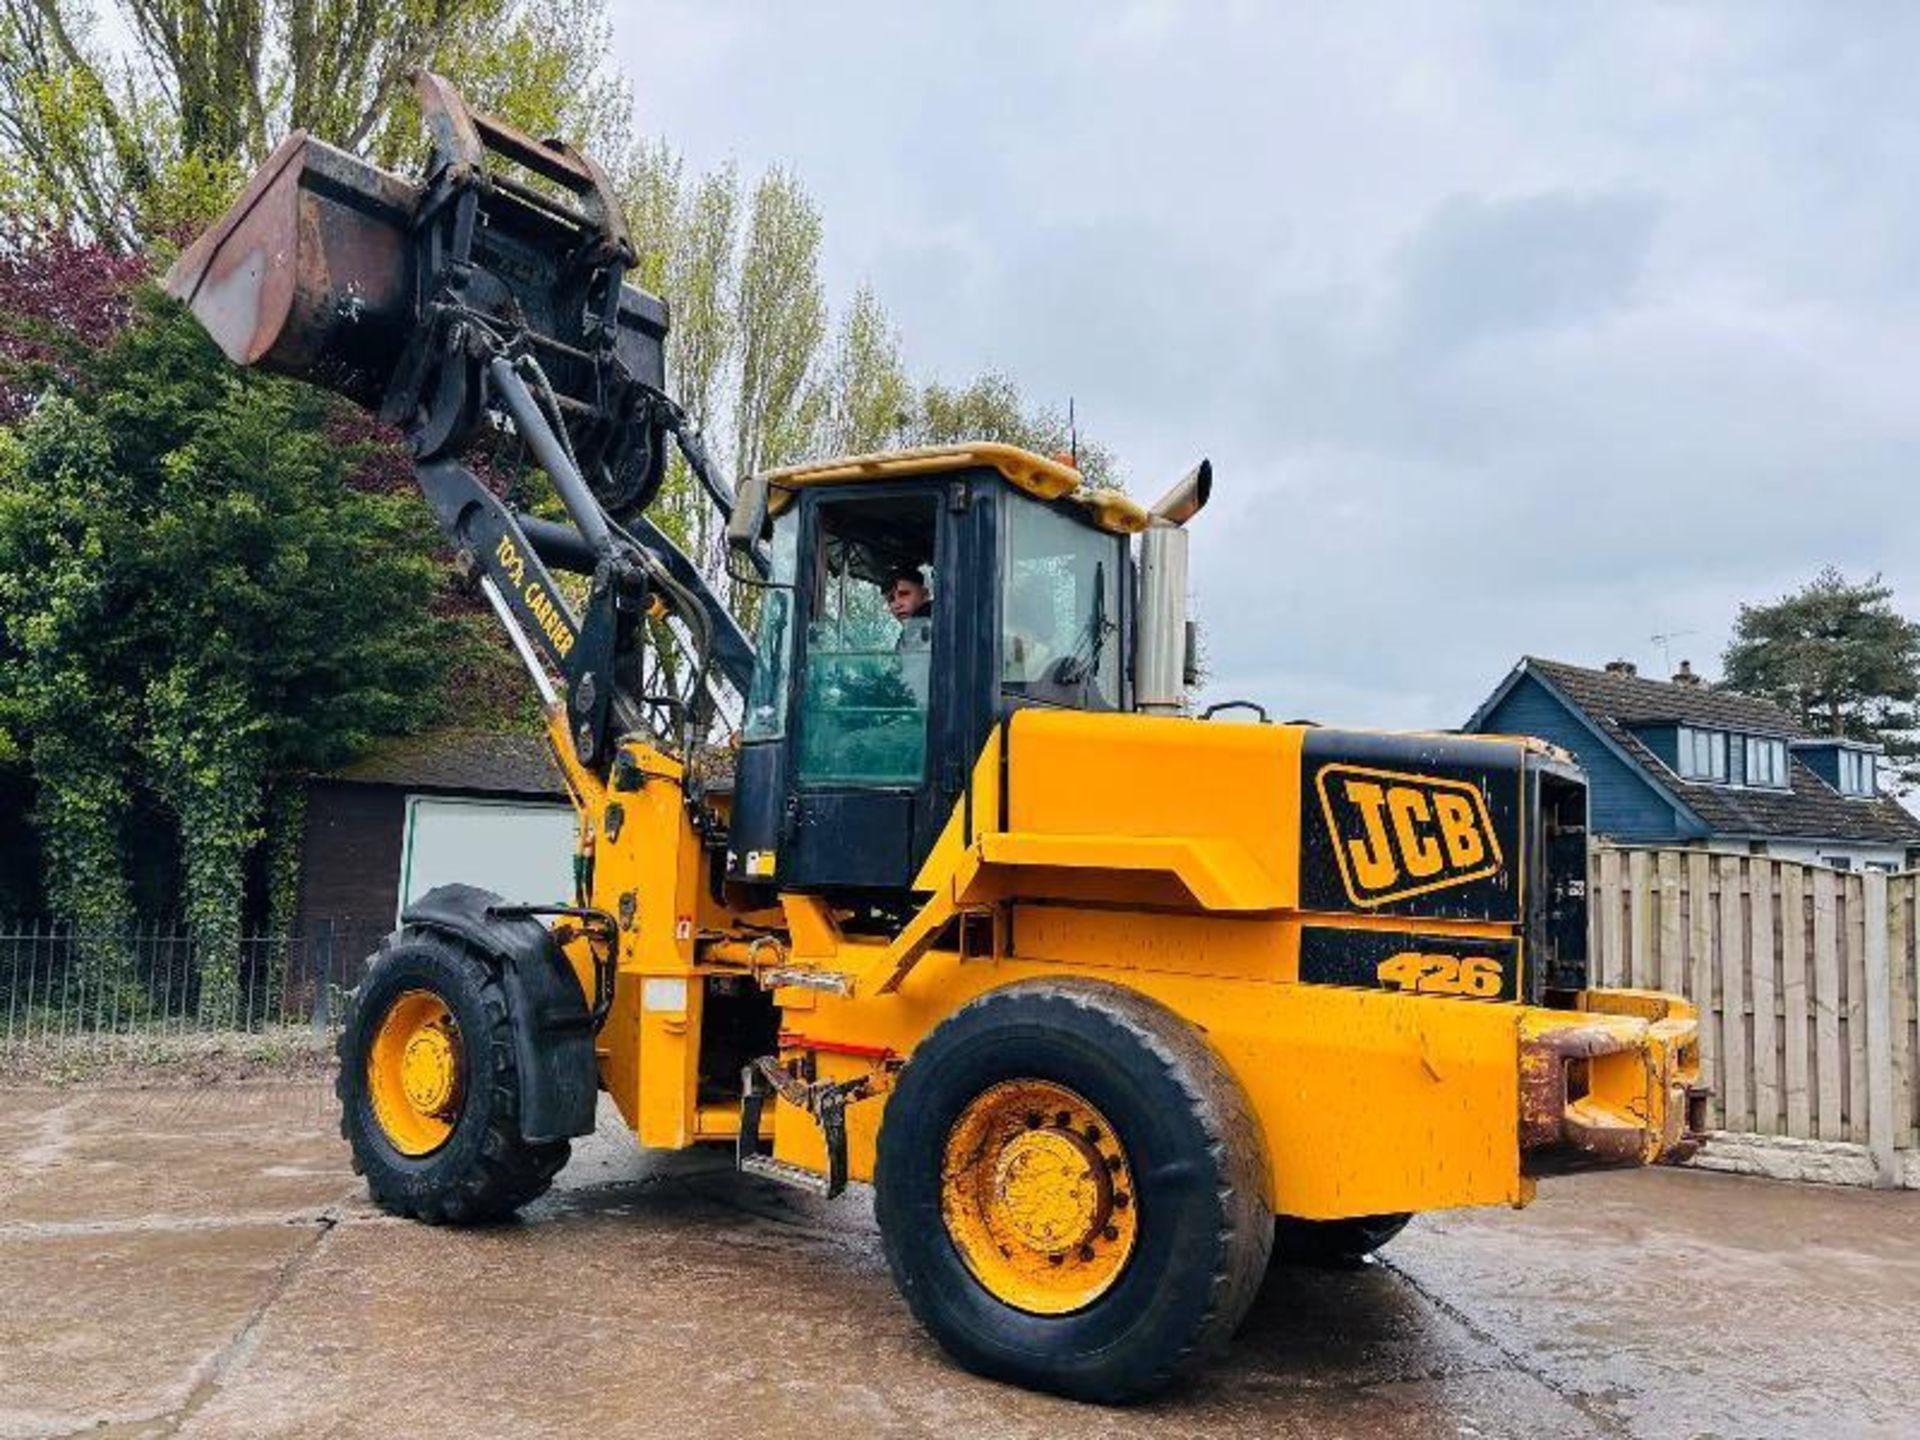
(1163, 649)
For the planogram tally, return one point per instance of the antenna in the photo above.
(1073, 434)
(1665, 642)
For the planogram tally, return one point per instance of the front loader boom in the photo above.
(933, 883)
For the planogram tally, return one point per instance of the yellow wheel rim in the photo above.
(1037, 1195)
(414, 1073)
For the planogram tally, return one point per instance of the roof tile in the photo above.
(1635, 700)
(485, 762)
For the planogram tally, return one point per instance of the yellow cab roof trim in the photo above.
(1038, 476)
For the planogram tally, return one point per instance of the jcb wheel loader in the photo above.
(1096, 993)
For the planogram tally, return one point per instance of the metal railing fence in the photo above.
(63, 985)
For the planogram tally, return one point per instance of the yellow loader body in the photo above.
(1160, 855)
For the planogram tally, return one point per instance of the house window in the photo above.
(1703, 754)
(1766, 762)
(1859, 772)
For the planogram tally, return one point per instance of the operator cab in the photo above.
(862, 727)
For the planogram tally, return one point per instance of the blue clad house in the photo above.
(1676, 763)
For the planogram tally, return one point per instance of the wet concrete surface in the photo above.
(202, 1262)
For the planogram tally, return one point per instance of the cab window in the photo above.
(869, 662)
(766, 713)
(1060, 607)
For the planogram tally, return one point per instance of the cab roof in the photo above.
(1045, 479)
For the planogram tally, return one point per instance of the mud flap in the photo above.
(552, 1025)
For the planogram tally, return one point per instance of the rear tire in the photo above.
(1136, 1253)
(429, 1094)
(1333, 1243)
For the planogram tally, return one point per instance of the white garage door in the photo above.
(521, 852)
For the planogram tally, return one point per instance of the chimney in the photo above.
(1622, 667)
(1685, 676)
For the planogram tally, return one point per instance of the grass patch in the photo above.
(152, 1058)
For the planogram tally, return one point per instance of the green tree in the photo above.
(77, 137)
(869, 397)
(703, 282)
(991, 407)
(195, 599)
(687, 239)
(123, 146)
(1837, 656)
(781, 311)
(540, 66)
(61, 645)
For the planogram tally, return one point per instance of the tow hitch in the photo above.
(1614, 1082)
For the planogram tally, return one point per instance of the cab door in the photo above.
(865, 779)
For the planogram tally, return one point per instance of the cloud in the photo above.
(1482, 267)
(1508, 328)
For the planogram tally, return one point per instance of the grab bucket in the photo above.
(310, 273)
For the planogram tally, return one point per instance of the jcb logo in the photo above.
(1398, 835)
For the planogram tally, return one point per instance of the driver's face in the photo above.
(904, 597)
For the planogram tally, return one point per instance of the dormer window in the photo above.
(1703, 754)
(1724, 757)
(1859, 773)
(1766, 762)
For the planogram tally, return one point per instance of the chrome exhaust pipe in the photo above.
(1163, 644)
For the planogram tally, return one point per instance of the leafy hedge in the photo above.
(209, 580)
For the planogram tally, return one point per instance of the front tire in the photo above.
(429, 1094)
(1071, 1190)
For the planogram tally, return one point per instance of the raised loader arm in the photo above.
(492, 293)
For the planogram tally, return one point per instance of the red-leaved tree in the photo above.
(59, 300)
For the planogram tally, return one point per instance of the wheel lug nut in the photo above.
(1086, 1252)
(1121, 1200)
(1112, 1232)
(1033, 1120)
(1093, 1134)
(1055, 1259)
(1063, 1119)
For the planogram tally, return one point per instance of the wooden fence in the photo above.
(1807, 980)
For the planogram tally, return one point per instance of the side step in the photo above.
(825, 1100)
(782, 1173)
(824, 982)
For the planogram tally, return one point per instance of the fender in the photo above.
(552, 1025)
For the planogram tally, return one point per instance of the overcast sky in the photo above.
(1528, 328)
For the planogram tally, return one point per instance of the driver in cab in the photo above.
(910, 602)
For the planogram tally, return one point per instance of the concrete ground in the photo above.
(202, 1262)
